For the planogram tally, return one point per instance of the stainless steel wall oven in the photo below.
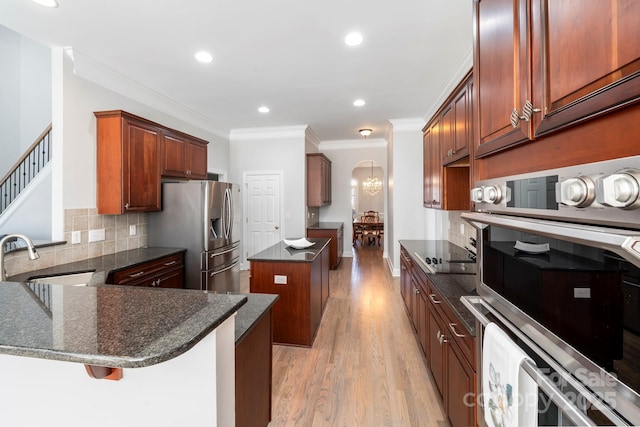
(559, 271)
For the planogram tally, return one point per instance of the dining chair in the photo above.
(370, 229)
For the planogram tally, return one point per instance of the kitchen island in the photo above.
(179, 345)
(301, 278)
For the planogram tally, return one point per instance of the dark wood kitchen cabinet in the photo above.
(132, 155)
(183, 156)
(452, 360)
(446, 141)
(448, 346)
(335, 232)
(318, 180)
(128, 164)
(541, 66)
(165, 272)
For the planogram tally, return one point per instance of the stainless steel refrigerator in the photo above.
(204, 218)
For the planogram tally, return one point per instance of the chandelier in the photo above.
(372, 185)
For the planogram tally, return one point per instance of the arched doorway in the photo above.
(367, 197)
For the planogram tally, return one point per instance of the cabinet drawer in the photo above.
(138, 273)
(453, 327)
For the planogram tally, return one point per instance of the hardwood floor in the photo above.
(365, 367)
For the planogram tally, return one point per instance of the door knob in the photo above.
(277, 227)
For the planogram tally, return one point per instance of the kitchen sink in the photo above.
(73, 279)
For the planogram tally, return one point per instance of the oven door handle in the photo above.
(625, 243)
(567, 407)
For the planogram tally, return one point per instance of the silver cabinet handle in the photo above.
(433, 299)
(126, 205)
(452, 326)
(170, 263)
(223, 270)
(138, 274)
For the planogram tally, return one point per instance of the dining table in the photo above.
(360, 228)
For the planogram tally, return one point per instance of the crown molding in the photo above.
(349, 144)
(312, 138)
(456, 78)
(97, 72)
(407, 125)
(297, 131)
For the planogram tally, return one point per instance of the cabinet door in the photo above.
(586, 57)
(196, 160)
(501, 73)
(141, 170)
(405, 281)
(171, 279)
(173, 156)
(432, 166)
(447, 132)
(459, 400)
(462, 122)
(437, 342)
(422, 321)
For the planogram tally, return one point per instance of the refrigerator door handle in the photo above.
(224, 269)
(227, 201)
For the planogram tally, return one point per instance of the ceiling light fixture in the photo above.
(365, 132)
(359, 102)
(264, 109)
(204, 57)
(47, 3)
(372, 185)
(353, 39)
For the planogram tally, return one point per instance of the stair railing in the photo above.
(25, 169)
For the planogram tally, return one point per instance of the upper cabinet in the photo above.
(446, 141)
(542, 65)
(318, 180)
(128, 164)
(132, 155)
(183, 156)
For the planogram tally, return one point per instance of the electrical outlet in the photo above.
(96, 235)
(461, 228)
(76, 237)
(132, 230)
(280, 280)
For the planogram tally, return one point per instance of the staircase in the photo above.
(25, 169)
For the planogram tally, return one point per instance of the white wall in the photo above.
(74, 127)
(275, 149)
(344, 156)
(25, 94)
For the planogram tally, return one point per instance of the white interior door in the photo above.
(263, 202)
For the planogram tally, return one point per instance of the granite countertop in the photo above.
(252, 311)
(114, 326)
(326, 226)
(281, 253)
(451, 286)
(102, 265)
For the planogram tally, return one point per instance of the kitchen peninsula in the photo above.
(301, 278)
(175, 347)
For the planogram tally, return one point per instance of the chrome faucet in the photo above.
(33, 254)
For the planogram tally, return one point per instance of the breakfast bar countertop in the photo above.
(114, 326)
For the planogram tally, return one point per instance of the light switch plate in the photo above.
(132, 230)
(280, 280)
(76, 237)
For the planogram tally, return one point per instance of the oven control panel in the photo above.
(605, 193)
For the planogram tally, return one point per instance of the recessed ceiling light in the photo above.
(263, 109)
(47, 3)
(204, 57)
(359, 102)
(353, 39)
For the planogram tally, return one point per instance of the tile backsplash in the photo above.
(459, 230)
(116, 239)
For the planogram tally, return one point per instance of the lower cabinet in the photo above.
(334, 232)
(166, 272)
(447, 345)
(253, 375)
